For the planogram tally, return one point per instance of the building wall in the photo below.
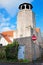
(25, 19)
(36, 50)
(30, 54)
(15, 34)
(26, 33)
(11, 38)
(39, 38)
(27, 42)
(3, 41)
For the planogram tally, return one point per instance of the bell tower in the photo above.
(25, 20)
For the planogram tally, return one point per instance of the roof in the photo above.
(7, 38)
(37, 29)
(8, 33)
(26, 4)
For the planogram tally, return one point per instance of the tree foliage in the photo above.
(2, 53)
(12, 50)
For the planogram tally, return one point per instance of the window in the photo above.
(27, 7)
(23, 7)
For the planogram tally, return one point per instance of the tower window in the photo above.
(27, 7)
(23, 7)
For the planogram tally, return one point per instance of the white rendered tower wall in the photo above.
(25, 21)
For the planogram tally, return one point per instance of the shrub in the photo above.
(12, 51)
(2, 54)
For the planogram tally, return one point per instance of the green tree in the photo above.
(12, 51)
(2, 53)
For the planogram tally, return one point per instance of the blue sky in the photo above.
(9, 10)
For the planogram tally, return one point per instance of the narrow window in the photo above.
(23, 7)
(27, 7)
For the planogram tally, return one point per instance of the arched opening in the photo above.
(27, 6)
(23, 7)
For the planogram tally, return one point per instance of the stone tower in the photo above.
(25, 20)
(25, 29)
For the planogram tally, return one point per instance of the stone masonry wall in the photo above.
(29, 49)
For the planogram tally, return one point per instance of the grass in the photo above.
(24, 61)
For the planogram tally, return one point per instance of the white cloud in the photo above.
(13, 26)
(5, 29)
(5, 19)
(4, 24)
(12, 5)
